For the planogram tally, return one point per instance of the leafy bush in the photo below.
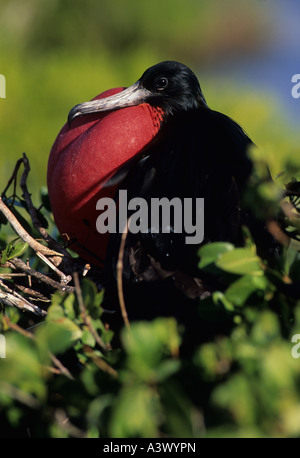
(65, 375)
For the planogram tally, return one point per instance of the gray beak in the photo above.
(132, 96)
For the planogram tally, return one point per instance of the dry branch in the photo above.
(120, 277)
(85, 316)
(41, 277)
(33, 213)
(50, 252)
(14, 299)
(34, 244)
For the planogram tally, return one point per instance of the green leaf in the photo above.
(220, 298)
(57, 337)
(13, 250)
(70, 308)
(58, 333)
(18, 250)
(292, 263)
(266, 328)
(91, 298)
(87, 338)
(137, 413)
(177, 410)
(236, 396)
(240, 261)
(210, 253)
(148, 345)
(22, 369)
(239, 291)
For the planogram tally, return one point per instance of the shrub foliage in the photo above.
(66, 374)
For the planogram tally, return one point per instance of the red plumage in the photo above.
(83, 158)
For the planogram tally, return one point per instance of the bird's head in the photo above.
(169, 85)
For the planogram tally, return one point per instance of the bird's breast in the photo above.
(82, 159)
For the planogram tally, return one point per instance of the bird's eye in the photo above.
(161, 83)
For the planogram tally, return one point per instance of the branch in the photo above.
(13, 178)
(13, 299)
(120, 277)
(85, 316)
(53, 254)
(36, 246)
(64, 278)
(33, 212)
(61, 368)
(43, 278)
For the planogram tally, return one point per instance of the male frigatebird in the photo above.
(158, 138)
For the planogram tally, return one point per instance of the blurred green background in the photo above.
(55, 54)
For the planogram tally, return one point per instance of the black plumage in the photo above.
(198, 152)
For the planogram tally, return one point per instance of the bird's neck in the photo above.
(158, 116)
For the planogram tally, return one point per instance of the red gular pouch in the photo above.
(82, 159)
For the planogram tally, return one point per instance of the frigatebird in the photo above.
(155, 139)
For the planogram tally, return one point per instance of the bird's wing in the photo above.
(202, 155)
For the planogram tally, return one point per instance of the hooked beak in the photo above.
(132, 96)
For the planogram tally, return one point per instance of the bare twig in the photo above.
(11, 275)
(36, 246)
(13, 299)
(19, 395)
(288, 192)
(86, 268)
(34, 295)
(278, 234)
(13, 178)
(53, 258)
(120, 277)
(85, 316)
(28, 276)
(64, 278)
(100, 362)
(33, 212)
(42, 285)
(64, 423)
(17, 328)
(43, 278)
(61, 368)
